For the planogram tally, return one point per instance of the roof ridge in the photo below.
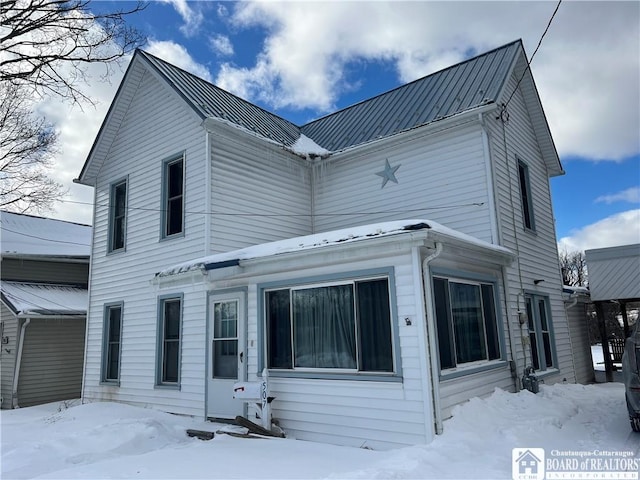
(412, 82)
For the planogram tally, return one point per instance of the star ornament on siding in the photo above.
(389, 173)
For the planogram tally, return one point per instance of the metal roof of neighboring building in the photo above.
(614, 273)
(27, 235)
(43, 299)
(467, 85)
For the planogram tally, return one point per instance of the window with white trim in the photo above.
(342, 326)
(466, 321)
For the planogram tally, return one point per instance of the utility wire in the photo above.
(534, 53)
(43, 238)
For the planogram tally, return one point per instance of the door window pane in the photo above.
(225, 339)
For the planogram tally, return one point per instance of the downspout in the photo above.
(16, 373)
(431, 336)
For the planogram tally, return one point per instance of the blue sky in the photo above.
(302, 60)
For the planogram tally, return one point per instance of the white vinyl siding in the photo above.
(441, 176)
(537, 251)
(156, 126)
(377, 414)
(260, 193)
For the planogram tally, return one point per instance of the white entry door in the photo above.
(227, 356)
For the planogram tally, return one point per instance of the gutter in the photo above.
(431, 336)
(16, 372)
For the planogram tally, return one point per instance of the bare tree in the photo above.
(45, 48)
(39, 37)
(574, 268)
(27, 146)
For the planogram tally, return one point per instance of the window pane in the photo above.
(174, 216)
(525, 194)
(324, 327)
(172, 319)
(278, 329)
(445, 336)
(113, 361)
(114, 324)
(467, 322)
(535, 361)
(175, 179)
(374, 321)
(490, 321)
(225, 358)
(171, 361)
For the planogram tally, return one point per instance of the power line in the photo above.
(237, 214)
(534, 53)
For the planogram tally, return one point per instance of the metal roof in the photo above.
(43, 299)
(211, 101)
(27, 235)
(472, 83)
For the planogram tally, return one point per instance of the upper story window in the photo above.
(525, 196)
(173, 197)
(118, 216)
(344, 326)
(111, 340)
(467, 322)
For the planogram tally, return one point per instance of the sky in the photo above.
(482, 440)
(302, 60)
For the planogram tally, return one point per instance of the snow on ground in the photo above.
(110, 440)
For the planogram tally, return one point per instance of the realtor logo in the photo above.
(527, 463)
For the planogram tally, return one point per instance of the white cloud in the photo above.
(221, 45)
(620, 229)
(587, 70)
(192, 18)
(177, 55)
(630, 195)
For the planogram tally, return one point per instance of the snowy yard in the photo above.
(111, 440)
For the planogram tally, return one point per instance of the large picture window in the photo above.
(466, 322)
(173, 197)
(170, 316)
(118, 216)
(345, 325)
(540, 338)
(112, 338)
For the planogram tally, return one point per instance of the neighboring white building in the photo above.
(189, 292)
(44, 272)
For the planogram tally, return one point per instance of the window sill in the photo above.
(361, 376)
(167, 386)
(547, 373)
(110, 383)
(168, 238)
(452, 373)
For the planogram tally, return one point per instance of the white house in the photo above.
(44, 275)
(227, 240)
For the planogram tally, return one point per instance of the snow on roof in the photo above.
(324, 239)
(29, 235)
(307, 147)
(44, 299)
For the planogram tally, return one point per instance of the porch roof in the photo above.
(332, 238)
(44, 300)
